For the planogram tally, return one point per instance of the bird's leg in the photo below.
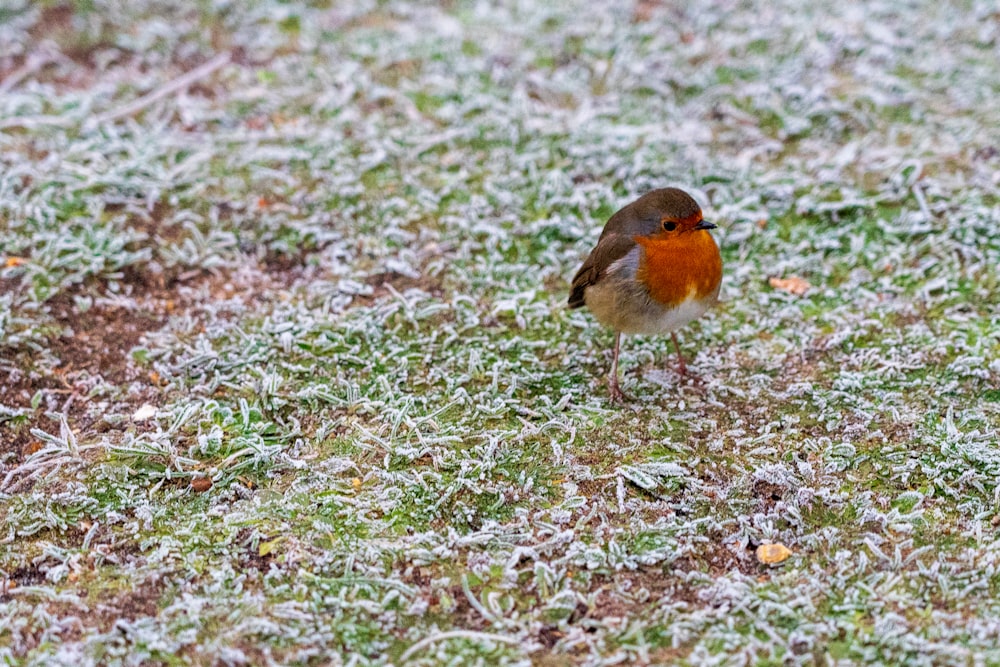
(681, 366)
(613, 388)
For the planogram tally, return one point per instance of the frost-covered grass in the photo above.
(333, 268)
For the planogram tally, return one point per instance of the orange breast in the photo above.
(676, 269)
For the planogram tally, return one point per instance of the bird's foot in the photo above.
(616, 394)
(688, 374)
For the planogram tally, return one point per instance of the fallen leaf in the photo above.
(145, 411)
(268, 547)
(201, 484)
(14, 261)
(356, 483)
(644, 10)
(792, 285)
(771, 554)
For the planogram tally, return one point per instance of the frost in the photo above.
(335, 242)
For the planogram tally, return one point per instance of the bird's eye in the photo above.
(669, 226)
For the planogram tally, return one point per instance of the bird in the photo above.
(654, 269)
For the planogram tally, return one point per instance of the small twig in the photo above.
(69, 402)
(7, 487)
(454, 634)
(36, 61)
(34, 466)
(918, 192)
(177, 85)
(31, 122)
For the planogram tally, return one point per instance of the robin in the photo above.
(654, 269)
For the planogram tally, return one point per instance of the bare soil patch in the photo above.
(93, 345)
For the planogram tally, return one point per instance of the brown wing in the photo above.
(610, 248)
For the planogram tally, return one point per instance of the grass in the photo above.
(286, 375)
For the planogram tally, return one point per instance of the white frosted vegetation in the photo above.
(356, 237)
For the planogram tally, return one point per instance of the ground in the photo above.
(287, 374)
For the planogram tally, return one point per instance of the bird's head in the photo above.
(669, 213)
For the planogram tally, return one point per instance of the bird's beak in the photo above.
(705, 224)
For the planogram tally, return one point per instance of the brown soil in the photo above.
(93, 347)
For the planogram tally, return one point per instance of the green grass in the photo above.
(327, 281)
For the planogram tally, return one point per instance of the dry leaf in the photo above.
(792, 285)
(644, 10)
(145, 411)
(356, 483)
(14, 261)
(770, 554)
(201, 484)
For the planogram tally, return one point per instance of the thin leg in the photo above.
(681, 366)
(613, 388)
